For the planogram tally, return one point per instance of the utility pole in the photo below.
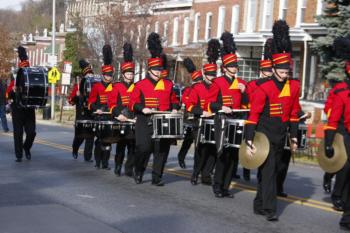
(53, 55)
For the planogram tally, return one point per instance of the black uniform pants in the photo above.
(205, 161)
(102, 153)
(224, 168)
(160, 149)
(186, 145)
(120, 154)
(282, 169)
(266, 196)
(23, 119)
(89, 144)
(346, 215)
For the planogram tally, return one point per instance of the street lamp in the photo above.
(53, 55)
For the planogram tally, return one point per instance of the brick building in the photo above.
(187, 25)
(39, 47)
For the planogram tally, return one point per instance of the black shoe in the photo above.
(27, 154)
(137, 178)
(6, 130)
(88, 160)
(18, 160)
(97, 166)
(194, 179)
(106, 168)
(237, 177)
(271, 216)
(75, 155)
(345, 226)
(117, 170)
(327, 185)
(282, 194)
(182, 164)
(338, 204)
(260, 212)
(218, 192)
(227, 193)
(206, 180)
(157, 182)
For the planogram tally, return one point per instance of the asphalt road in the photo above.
(54, 193)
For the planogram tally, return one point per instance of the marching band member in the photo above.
(22, 117)
(152, 93)
(98, 103)
(78, 97)
(226, 94)
(118, 104)
(188, 139)
(339, 121)
(274, 107)
(205, 156)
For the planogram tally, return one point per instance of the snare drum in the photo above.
(208, 132)
(33, 86)
(84, 128)
(234, 132)
(302, 139)
(127, 130)
(108, 131)
(168, 126)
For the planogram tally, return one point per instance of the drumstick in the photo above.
(233, 110)
(105, 113)
(128, 120)
(161, 112)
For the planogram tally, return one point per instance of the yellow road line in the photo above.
(242, 187)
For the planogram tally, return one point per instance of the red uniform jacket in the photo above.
(251, 87)
(9, 91)
(225, 92)
(73, 95)
(329, 102)
(274, 107)
(340, 108)
(151, 94)
(197, 98)
(98, 98)
(120, 97)
(185, 95)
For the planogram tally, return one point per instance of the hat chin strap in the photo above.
(231, 73)
(275, 73)
(125, 78)
(154, 74)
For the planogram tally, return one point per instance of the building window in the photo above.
(186, 35)
(196, 29)
(266, 12)
(165, 33)
(156, 27)
(300, 13)
(283, 9)
(221, 21)
(248, 69)
(235, 20)
(175, 31)
(208, 25)
(251, 15)
(319, 8)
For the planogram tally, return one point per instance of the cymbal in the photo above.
(337, 162)
(262, 145)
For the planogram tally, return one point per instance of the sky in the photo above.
(11, 4)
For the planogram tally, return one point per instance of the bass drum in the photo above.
(32, 85)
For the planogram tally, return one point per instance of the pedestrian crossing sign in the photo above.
(54, 75)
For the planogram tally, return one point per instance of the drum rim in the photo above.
(168, 115)
(106, 122)
(84, 121)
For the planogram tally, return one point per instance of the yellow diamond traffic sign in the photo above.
(54, 75)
